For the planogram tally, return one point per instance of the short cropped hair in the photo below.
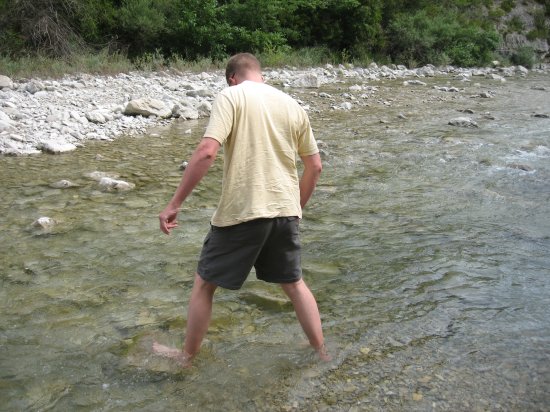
(240, 64)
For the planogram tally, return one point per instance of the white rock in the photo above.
(147, 107)
(44, 222)
(34, 86)
(56, 147)
(5, 82)
(204, 109)
(463, 122)
(6, 125)
(185, 112)
(200, 93)
(308, 80)
(346, 106)
(413, 82)
(108, 183)
(17, 137)
(41, 94)
(426, 71)
(446, 89)
(97, 175)
(522, 70)
(5, 117)
(63, 184)
(172, 85)
(96, 117)
(494, 76)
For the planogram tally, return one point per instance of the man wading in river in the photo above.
(255, 225)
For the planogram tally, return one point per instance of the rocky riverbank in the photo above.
(56, 116)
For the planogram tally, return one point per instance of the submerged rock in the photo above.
(63, 184)
(414, 83)
(520, 166)
(463, 122)
(108, 183)
(44, 222)
(97, 175)
(265, 300)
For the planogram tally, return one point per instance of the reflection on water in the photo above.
(425, 244)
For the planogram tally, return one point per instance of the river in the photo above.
(427, 246)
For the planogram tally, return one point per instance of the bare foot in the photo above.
(183, 358)
(323, 354)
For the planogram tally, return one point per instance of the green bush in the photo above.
(515, 24)
(149, 33)
(524, 56)
(440, 39)
(542, 29)
(507, 5)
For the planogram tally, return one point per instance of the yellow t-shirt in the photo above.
(262, 131)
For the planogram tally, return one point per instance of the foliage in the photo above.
(440, 39)
(542, 28)
(159, 33)
(507, 5)
(524, 56)
(102, 62)
(515, 24)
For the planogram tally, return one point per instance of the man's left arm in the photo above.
(312, 170)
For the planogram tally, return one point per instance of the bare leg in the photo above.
(198, 314)
(198, 319)
(307, 313)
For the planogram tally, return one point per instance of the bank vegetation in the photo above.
(54, 37)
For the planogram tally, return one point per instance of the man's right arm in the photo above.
(200, 162)
(308, 181)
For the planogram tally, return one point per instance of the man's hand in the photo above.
(168, 220)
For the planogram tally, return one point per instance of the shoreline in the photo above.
(57, 116)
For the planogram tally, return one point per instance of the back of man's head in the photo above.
(241, 64)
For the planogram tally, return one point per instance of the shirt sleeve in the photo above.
(221, 119)
(307, 145)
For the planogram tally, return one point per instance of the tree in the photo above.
(41, 25)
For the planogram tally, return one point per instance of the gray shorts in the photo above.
(271, 246)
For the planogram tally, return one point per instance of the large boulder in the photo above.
(309, 80)
(148, 107)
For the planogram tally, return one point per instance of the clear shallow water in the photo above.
(427, 247)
